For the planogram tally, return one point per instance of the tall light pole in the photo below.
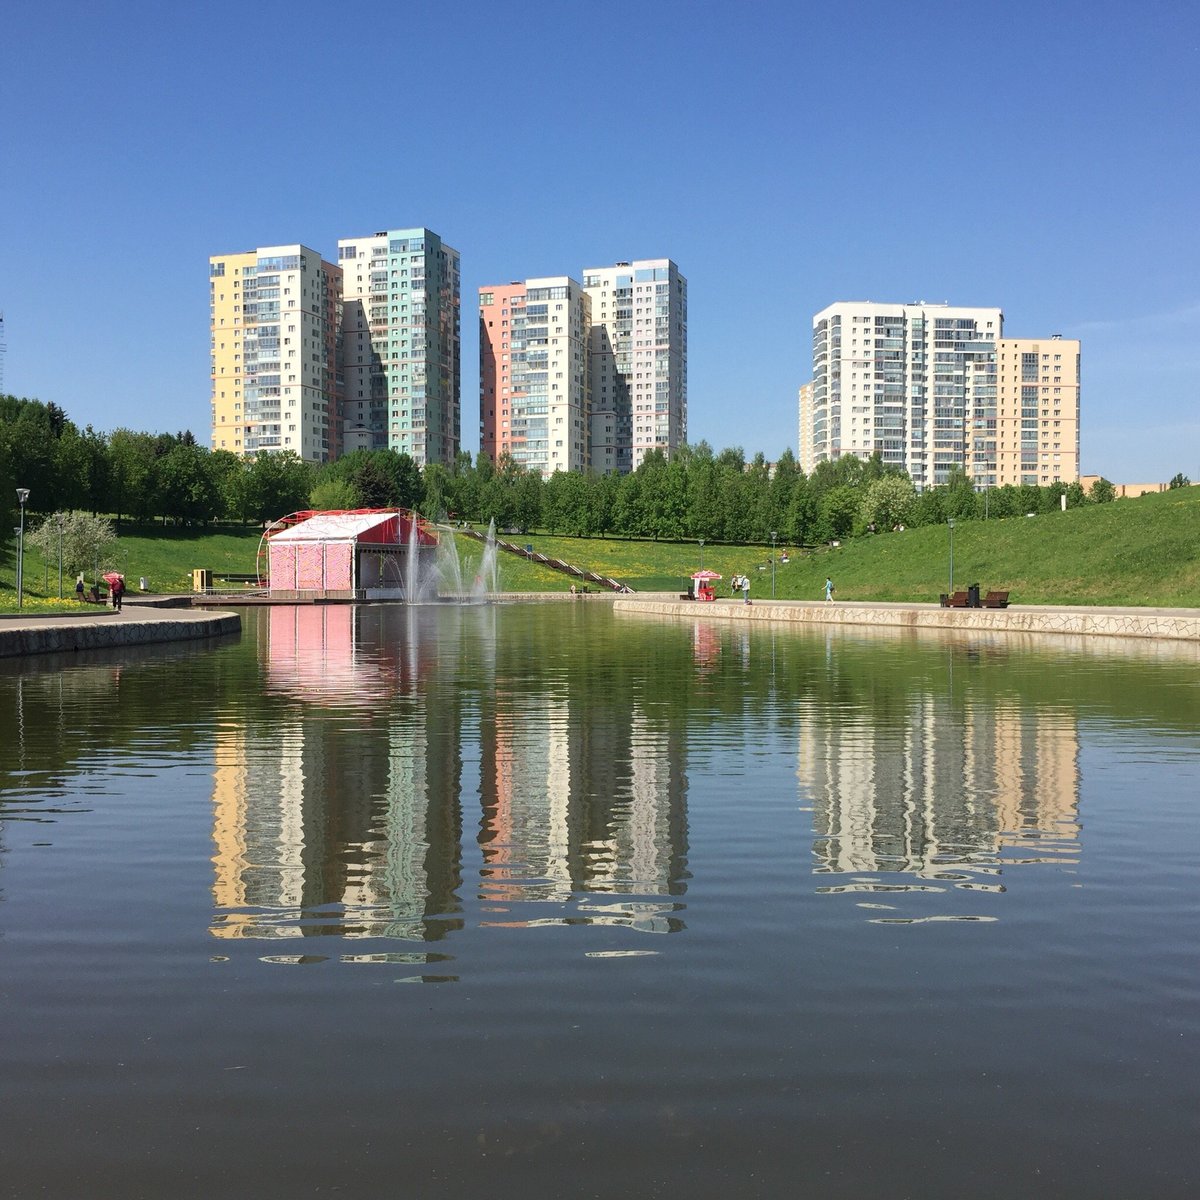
(702, 554)
(22, 496)
(950, 523)
(774, 534)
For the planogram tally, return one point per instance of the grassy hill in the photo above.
(1144, 551)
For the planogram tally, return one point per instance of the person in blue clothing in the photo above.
(828, 590)
(745, 589)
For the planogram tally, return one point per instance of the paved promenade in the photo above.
(1173, 624)
(94, 628)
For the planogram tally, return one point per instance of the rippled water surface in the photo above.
(542, 900)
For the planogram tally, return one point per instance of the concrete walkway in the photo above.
(1175, 624)
(95, 627)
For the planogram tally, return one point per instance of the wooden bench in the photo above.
(958, 600)
(995, 600)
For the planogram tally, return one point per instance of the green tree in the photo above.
(189, 489)
(1102, 492)
(1179, 481)
(333, 495)
(960, 497)
(134, 475)
(1075, 494)
(565, 505)
(372, 482)
(800, 520)
(627, 506)
(838, 509)
(527, 500)
(278, 484)
(602, 499)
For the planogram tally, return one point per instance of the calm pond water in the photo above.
(546, 900)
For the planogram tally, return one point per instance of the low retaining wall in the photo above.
(66, 637)
(1180, 624)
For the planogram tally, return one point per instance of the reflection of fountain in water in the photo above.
(431, 578)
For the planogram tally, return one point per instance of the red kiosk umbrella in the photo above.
(706, 576)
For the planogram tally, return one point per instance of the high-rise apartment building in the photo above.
(805, 456)
(401, 344)
(274, 317)
(637, 361)
(898, 379)
(1030, 435)
(533, 374)
(931, 388)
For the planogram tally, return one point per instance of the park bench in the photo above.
(995, 600)
(958, 600)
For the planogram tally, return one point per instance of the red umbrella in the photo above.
(706, 575)
(111, 577)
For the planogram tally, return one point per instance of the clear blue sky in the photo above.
(1042, 157)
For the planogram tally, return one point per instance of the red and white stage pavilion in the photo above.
(362, 554)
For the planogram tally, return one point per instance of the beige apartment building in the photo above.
(274, 318)
(806, 456)
(1032, 434)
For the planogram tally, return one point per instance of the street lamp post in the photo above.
(950, 523)
(774, 534)
(60, 525)
(22, 496)
(702, 554)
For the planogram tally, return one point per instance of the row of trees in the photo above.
(697, 493)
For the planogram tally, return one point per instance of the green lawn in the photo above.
(1143, 552)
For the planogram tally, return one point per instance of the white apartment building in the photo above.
(900, 380)
(401, 344)
(637, 361)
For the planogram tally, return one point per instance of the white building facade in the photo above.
(901, 380)
(637, 362)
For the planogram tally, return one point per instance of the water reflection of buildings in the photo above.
(337, 808)
(582, 801)
(944, 786)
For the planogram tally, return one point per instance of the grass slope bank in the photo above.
(1142, 552)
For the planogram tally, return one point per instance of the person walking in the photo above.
(828, 590)
(118, 592)
(745, 589)
(79, 588)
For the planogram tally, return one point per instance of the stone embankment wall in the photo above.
(1181, 624)
(66, 637)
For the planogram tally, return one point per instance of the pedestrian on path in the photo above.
(118, 592)
(828, 590)
(745, 589)
(79, 588)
